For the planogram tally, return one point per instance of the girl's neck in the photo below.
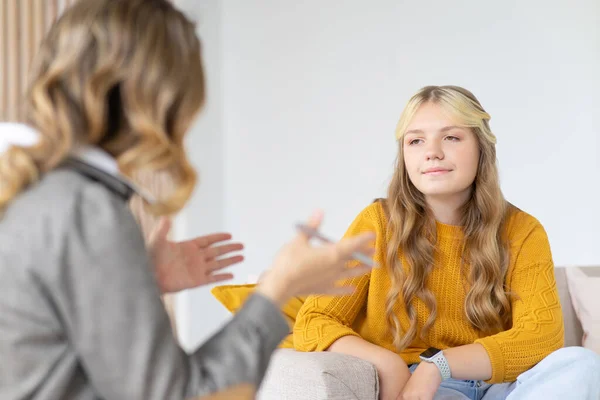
(447, 209)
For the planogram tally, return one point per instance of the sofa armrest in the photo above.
(296, 375)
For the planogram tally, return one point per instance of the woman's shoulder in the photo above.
(65, 213)
(526, 234)
(519, 222)
(372, 217)
(64, 201)
(377, 210)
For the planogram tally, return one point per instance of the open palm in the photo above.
(191, 263)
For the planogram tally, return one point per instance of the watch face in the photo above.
(430, 352)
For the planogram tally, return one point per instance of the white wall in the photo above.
(308, 94)
(197, 313)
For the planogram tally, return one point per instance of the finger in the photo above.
(354, 272)
(217, 251)
(161, 230)
(353, 261)
(314, 222)
(315, 219)
(362, 242)
(220, 278)
(209, 240)
(340, 291)
(224, 263)
(263, 275)
(367, 251)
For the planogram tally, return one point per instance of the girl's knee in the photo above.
(576, 357)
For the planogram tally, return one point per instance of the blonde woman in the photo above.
(465, 305)
(114, 87)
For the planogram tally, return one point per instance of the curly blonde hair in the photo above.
(125, 76)
(412, 227)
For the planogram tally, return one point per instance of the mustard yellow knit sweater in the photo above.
(537, 327)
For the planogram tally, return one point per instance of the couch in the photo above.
(316, 376)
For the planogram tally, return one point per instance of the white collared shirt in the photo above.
(23, 135)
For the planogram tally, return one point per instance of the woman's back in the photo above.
(62, 274)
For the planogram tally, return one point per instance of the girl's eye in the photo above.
(452, 138)
(414, 141)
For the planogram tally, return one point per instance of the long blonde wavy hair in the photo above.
(125, 76)
(412, 228)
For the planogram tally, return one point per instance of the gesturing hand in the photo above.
(191, 263)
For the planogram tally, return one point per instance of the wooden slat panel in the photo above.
(13, 55)
(23, 24)
(40, 24)
(39, 13)
(30, 30)
(51, 12)
(3, 62)
(25, 36)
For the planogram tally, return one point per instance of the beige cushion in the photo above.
(584, 286)
(573, 330)
(318, 376)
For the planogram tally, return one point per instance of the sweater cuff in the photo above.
(496, 358)
(327, 340)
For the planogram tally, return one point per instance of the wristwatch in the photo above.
(436, 356)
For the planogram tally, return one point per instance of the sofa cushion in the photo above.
(573, 330)
(319, 376)
(584, 286)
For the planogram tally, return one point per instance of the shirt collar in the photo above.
(90, 156)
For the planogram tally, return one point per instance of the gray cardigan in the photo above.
(80, 311)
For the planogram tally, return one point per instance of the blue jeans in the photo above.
(568, 373)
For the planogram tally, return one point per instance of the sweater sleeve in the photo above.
(324, 319)
(537, 323)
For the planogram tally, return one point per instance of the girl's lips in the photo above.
(436, 171)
